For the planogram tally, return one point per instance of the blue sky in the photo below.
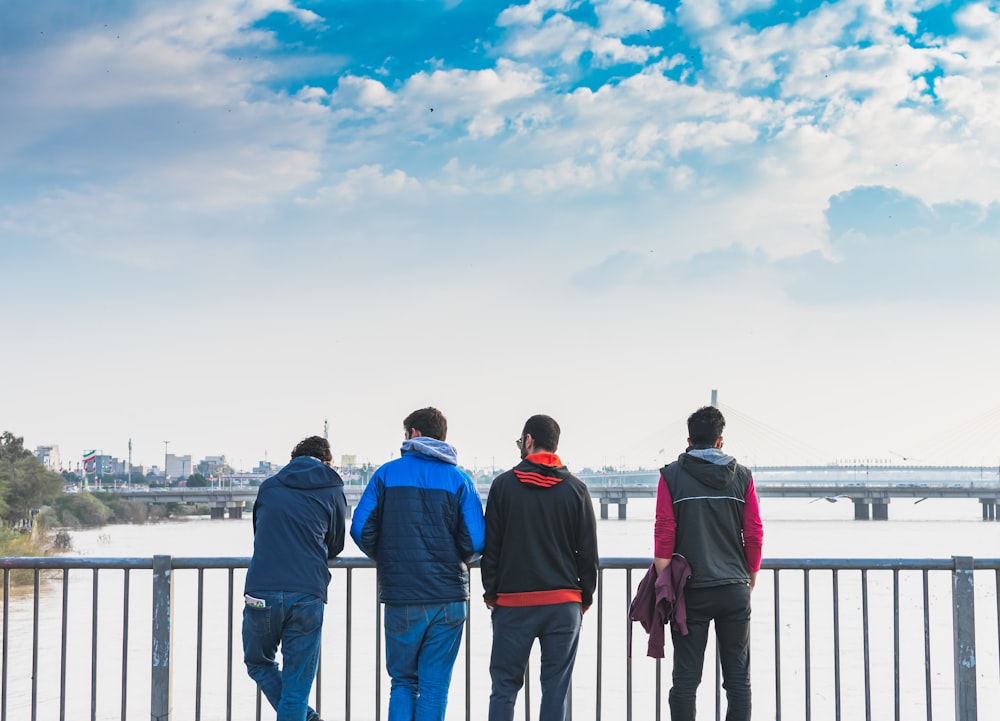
(222, 223)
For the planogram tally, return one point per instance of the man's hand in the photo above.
(753, 580)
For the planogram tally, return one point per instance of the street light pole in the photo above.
(166, 478)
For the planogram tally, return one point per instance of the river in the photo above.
(794, 528)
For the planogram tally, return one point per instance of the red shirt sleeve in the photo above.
(753, 529)
(665, 525)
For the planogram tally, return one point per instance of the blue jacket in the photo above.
(421, 519)
(299, 522)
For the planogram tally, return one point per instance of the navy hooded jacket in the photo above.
(421, 519)
(299, 521)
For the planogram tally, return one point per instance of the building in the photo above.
(178, 466)
(48, 456)
(213, 466)
(104, 465)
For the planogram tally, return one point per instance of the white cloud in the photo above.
(629, 17)
(532, 12)
(365, 93)
(367, 184)
(538, 30)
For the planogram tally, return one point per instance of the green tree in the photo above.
(25, 484)
(82, 509)
(196, 480)
(71, 477)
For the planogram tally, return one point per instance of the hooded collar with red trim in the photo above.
(541, 469)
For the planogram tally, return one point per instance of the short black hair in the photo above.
(705, 426)
(314, 446)
(544, 430)
(429, 421)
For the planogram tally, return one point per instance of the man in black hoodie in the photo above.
(299, 523)
(539, 570)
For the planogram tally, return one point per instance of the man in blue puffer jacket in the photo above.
(421, 520)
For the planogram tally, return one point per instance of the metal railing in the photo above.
(159, 638)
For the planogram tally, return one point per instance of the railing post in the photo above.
(963, 596)
(160, 694)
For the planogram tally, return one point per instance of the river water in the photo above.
(794, 528)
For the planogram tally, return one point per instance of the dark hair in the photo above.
(314, 446)
(544, 430)
(429, 421)
(705, 426)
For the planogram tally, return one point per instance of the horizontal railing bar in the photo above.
(888, 564)
(57, 562)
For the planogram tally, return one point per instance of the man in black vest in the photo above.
(707, 512)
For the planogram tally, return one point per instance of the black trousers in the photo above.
(729, 607)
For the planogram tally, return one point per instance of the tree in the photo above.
(26, 485)
(12, 447)
(71, 478)
(196, 480)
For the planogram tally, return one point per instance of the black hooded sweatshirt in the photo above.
(541, 536)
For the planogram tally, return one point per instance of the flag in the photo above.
(89, 456)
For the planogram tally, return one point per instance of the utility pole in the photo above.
(166, 478)
(326, 429)
(128, 470)
(715, 398)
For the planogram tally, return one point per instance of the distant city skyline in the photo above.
(975, 443)
(223, 224)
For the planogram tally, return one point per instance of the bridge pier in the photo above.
(216, 512)
(879, 509)
(236, 512)
(990, 507)
(622, 504)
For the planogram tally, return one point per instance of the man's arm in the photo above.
(364, 525)
(472, 526)
(587, 557)
(753, 532)
(664, 528)
(492, 545)
(338, 525)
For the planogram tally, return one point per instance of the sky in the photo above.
(225, 224)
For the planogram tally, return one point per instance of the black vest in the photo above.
(709, 515)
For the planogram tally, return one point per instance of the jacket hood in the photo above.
(543, 470)
(709, 466)
(306, 472)
(432, 448)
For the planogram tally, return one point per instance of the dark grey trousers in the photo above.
(557, 628)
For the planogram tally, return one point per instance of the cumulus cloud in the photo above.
(622, 18)
(366, 184)
(890, 245)
(885, 247)
(543, 29)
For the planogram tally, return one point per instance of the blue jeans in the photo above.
(295, 621)
(729, 607)
(421, 644)
(557, 628)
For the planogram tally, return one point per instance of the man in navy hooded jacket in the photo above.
(299, 521)
(421, 519)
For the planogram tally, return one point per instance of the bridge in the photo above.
(871, 497)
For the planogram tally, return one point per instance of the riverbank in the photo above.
(50, 531)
